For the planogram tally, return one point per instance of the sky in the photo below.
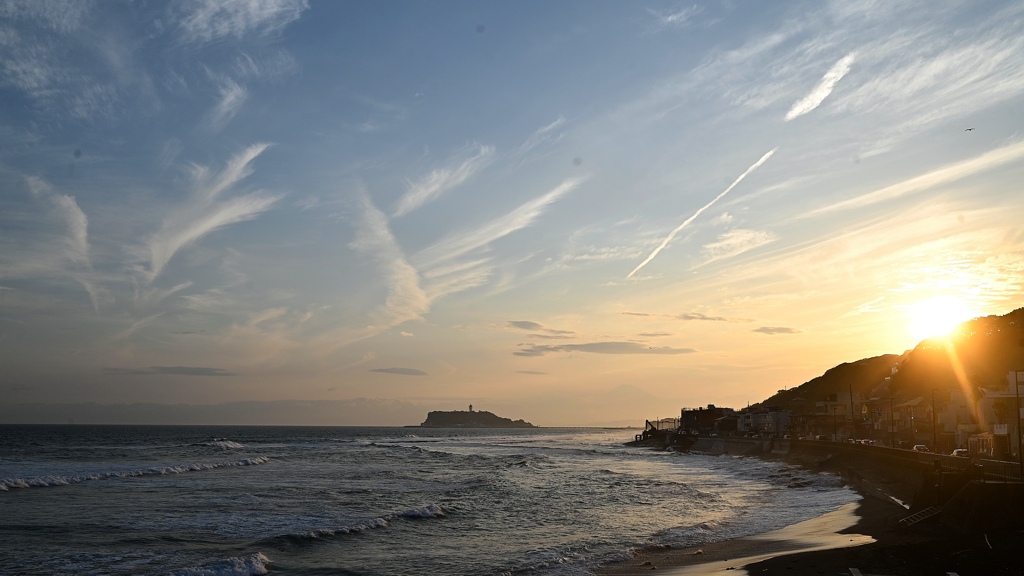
(575, 212)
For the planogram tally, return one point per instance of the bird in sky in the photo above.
(968, 129)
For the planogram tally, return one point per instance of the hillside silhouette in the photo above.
(981, 351)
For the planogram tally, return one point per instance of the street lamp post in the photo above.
(835, 436)
(935, 443)
(853, 417)
(1016, 396)
(892, 427)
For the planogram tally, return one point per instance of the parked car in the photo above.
(961, 452)
(920, 448)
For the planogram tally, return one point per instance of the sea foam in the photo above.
(251, 565)
(49, 481)
(429, 511)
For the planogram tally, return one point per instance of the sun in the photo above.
(937, 316)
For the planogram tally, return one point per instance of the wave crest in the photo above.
(50, 481)
(251, 565)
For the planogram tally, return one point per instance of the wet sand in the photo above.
(863, 537)
(730, 556)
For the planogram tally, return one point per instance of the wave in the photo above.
(429, 511)
(50, 481)
(222, 443)
(328, 532)
(251, 565)
(792, 477)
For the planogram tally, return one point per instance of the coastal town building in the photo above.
(998, 429)
(706, 420)
(769, 421)
(987, 422)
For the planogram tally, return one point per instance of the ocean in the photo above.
(233, 500)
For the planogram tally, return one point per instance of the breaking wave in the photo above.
(429, 511)
(251, 565)
(49, 481)
(222, 443)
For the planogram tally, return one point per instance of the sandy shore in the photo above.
(863, 537)
(730, 556)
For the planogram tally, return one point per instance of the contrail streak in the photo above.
(702, 209)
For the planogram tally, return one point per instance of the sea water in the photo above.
(200, 500)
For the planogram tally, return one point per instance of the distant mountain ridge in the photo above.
(470, 419)
(983, 350)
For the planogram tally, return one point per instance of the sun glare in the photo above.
(937, 317)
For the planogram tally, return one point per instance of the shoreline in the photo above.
(838, 529)
(863, 536)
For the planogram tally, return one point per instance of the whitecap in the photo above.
(431, 511)
(251, 565)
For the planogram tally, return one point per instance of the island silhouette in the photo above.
(470, 419)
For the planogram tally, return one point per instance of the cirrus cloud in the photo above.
(602, 348)
(400, 371)
(773, 330)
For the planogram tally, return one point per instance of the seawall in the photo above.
(974, 496)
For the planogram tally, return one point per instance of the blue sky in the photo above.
(571, 212)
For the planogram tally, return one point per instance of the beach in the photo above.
(860, 538)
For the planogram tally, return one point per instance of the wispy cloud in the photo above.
(922, 74)
(170, 370)
(773, 330)
(944, 175)
(66, 208)
(700, 211)
(261, 67)
(736, 242)
(98, 295)
(541, 135)
(58, 15)
(870, 307)
(698, 316)
(210, 20)
(75, 241)
(678, 18)
(406, 300)
(686, 316)
(441, 283)
(538, 330)
(231, 97)
(203, 212)
(138, 324)
(523, 216)
(400, 371)
(538, 327)
(152, 296)
(602, 348)
(822, 90)
(440, 180)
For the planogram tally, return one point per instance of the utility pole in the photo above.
(853, 417)
(892, 427)
(835, 438)
(935, 444)
(1016, 396)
